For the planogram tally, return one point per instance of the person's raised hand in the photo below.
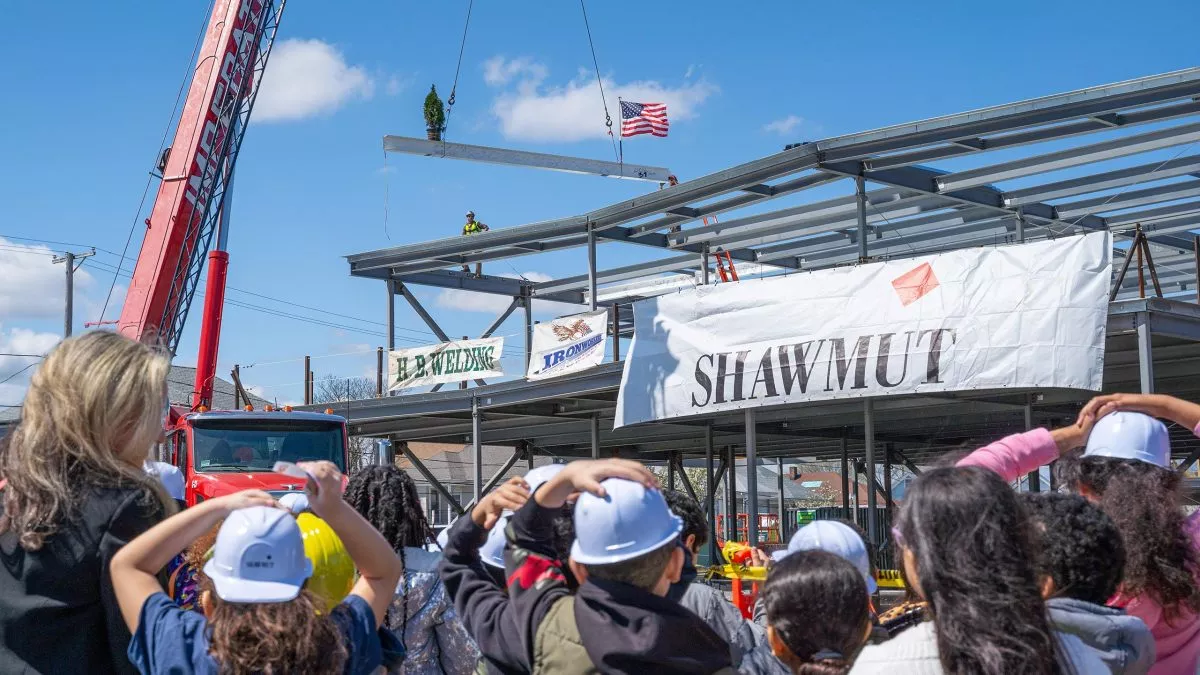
(509, 496)
(585, 475)
(246, 499)
(324, 489)
(759, 558)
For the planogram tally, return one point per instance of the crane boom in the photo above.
(199, 162)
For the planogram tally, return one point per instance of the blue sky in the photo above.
(89, 88)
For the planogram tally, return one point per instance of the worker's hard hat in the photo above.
(629, 521)
(537, 477)
(332, 569)
(470, 213)
(833, 537)
(296, 502)
(492, 551)
(171, 477)
(1130, 435)
(258, 557)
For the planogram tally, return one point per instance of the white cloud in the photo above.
(396, 85)
(307, 78)
(15, 371)
(498, 72)
(691, 70)
(783, 126)
(529, 109)
(489, 303)
(31, 286)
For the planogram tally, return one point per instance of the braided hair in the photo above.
(387, 497)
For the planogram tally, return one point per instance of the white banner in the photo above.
(1032, 315)
(568, 344)
(446, 362)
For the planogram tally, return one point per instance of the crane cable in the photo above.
(457, 69)
(595, 62)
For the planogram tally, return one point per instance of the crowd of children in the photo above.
(586, 567)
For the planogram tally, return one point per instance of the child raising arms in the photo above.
(259, 616)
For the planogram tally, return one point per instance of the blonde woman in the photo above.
(75, 492)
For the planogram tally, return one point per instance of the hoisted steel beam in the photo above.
(534, 160)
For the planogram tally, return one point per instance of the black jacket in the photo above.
(58, 611)
(624, 629)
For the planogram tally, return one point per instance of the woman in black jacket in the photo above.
(74, 493)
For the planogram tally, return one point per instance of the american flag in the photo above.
(643, 118)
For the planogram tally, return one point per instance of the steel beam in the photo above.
(512, 306)
(594, 428)
(1108, 180)
(783, 528)
(391, 315)
(1130, 199)
(846, 480)
(591, 266)
(684, 480)
(420, 310)
(433, 481)
(1065, 159)
(731, 508)
(534, 160)
(860, 190)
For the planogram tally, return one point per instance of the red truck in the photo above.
(221, 452)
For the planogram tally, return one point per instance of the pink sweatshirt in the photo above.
(1178, 644)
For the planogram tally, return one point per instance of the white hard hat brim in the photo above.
(583, 558)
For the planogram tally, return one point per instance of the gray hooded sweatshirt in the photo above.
(1123, 642)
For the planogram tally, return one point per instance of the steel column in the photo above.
(378, 372)
(751, 477)
(860, 186)
(783, 528)
(1020, 225)
(616, 332)
(527, 301)
(391, 315)
(731, 505)
(308, 394)
(476, 451)
(671, 471)
(498, 476)
(888, 506)
(595, 429)
(704, 264)
(591, 254)
(872, 501)
(846, 480)
(1145, 353)
(1035, 476)
(710, 490)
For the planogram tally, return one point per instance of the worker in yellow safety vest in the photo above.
(473, 226)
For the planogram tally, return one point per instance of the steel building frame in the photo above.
(1065, 170)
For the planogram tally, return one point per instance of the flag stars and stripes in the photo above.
(643, 118)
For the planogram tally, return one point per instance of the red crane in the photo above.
(192, 205)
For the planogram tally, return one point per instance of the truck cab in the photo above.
(222, 452)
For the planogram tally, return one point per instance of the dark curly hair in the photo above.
(973, 551)
(1144, 501)
(1079, 546)
(387, 497)
(809, 584)
(273, 637)
(688, 509)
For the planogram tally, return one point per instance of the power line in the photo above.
(18, 372)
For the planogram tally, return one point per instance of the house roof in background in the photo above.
(451, 463)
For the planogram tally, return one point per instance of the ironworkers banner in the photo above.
(1031, 315)
(568, 344)
(446, 362)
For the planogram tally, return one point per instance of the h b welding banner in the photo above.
(444, 363)
(1009, 317)
(568, 344)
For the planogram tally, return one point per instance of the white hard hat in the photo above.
(170, 476)
(537, 477)
(492, 551)
(296, 502)
(833, 537)
(259, 557)
(1130, 435)
(470, 213)
(629, 521)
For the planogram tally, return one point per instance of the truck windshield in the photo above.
(251, 445)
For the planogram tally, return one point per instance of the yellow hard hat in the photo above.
(333, 570)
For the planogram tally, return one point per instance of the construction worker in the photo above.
(473, 226)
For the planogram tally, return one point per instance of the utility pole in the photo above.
(69, 259)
